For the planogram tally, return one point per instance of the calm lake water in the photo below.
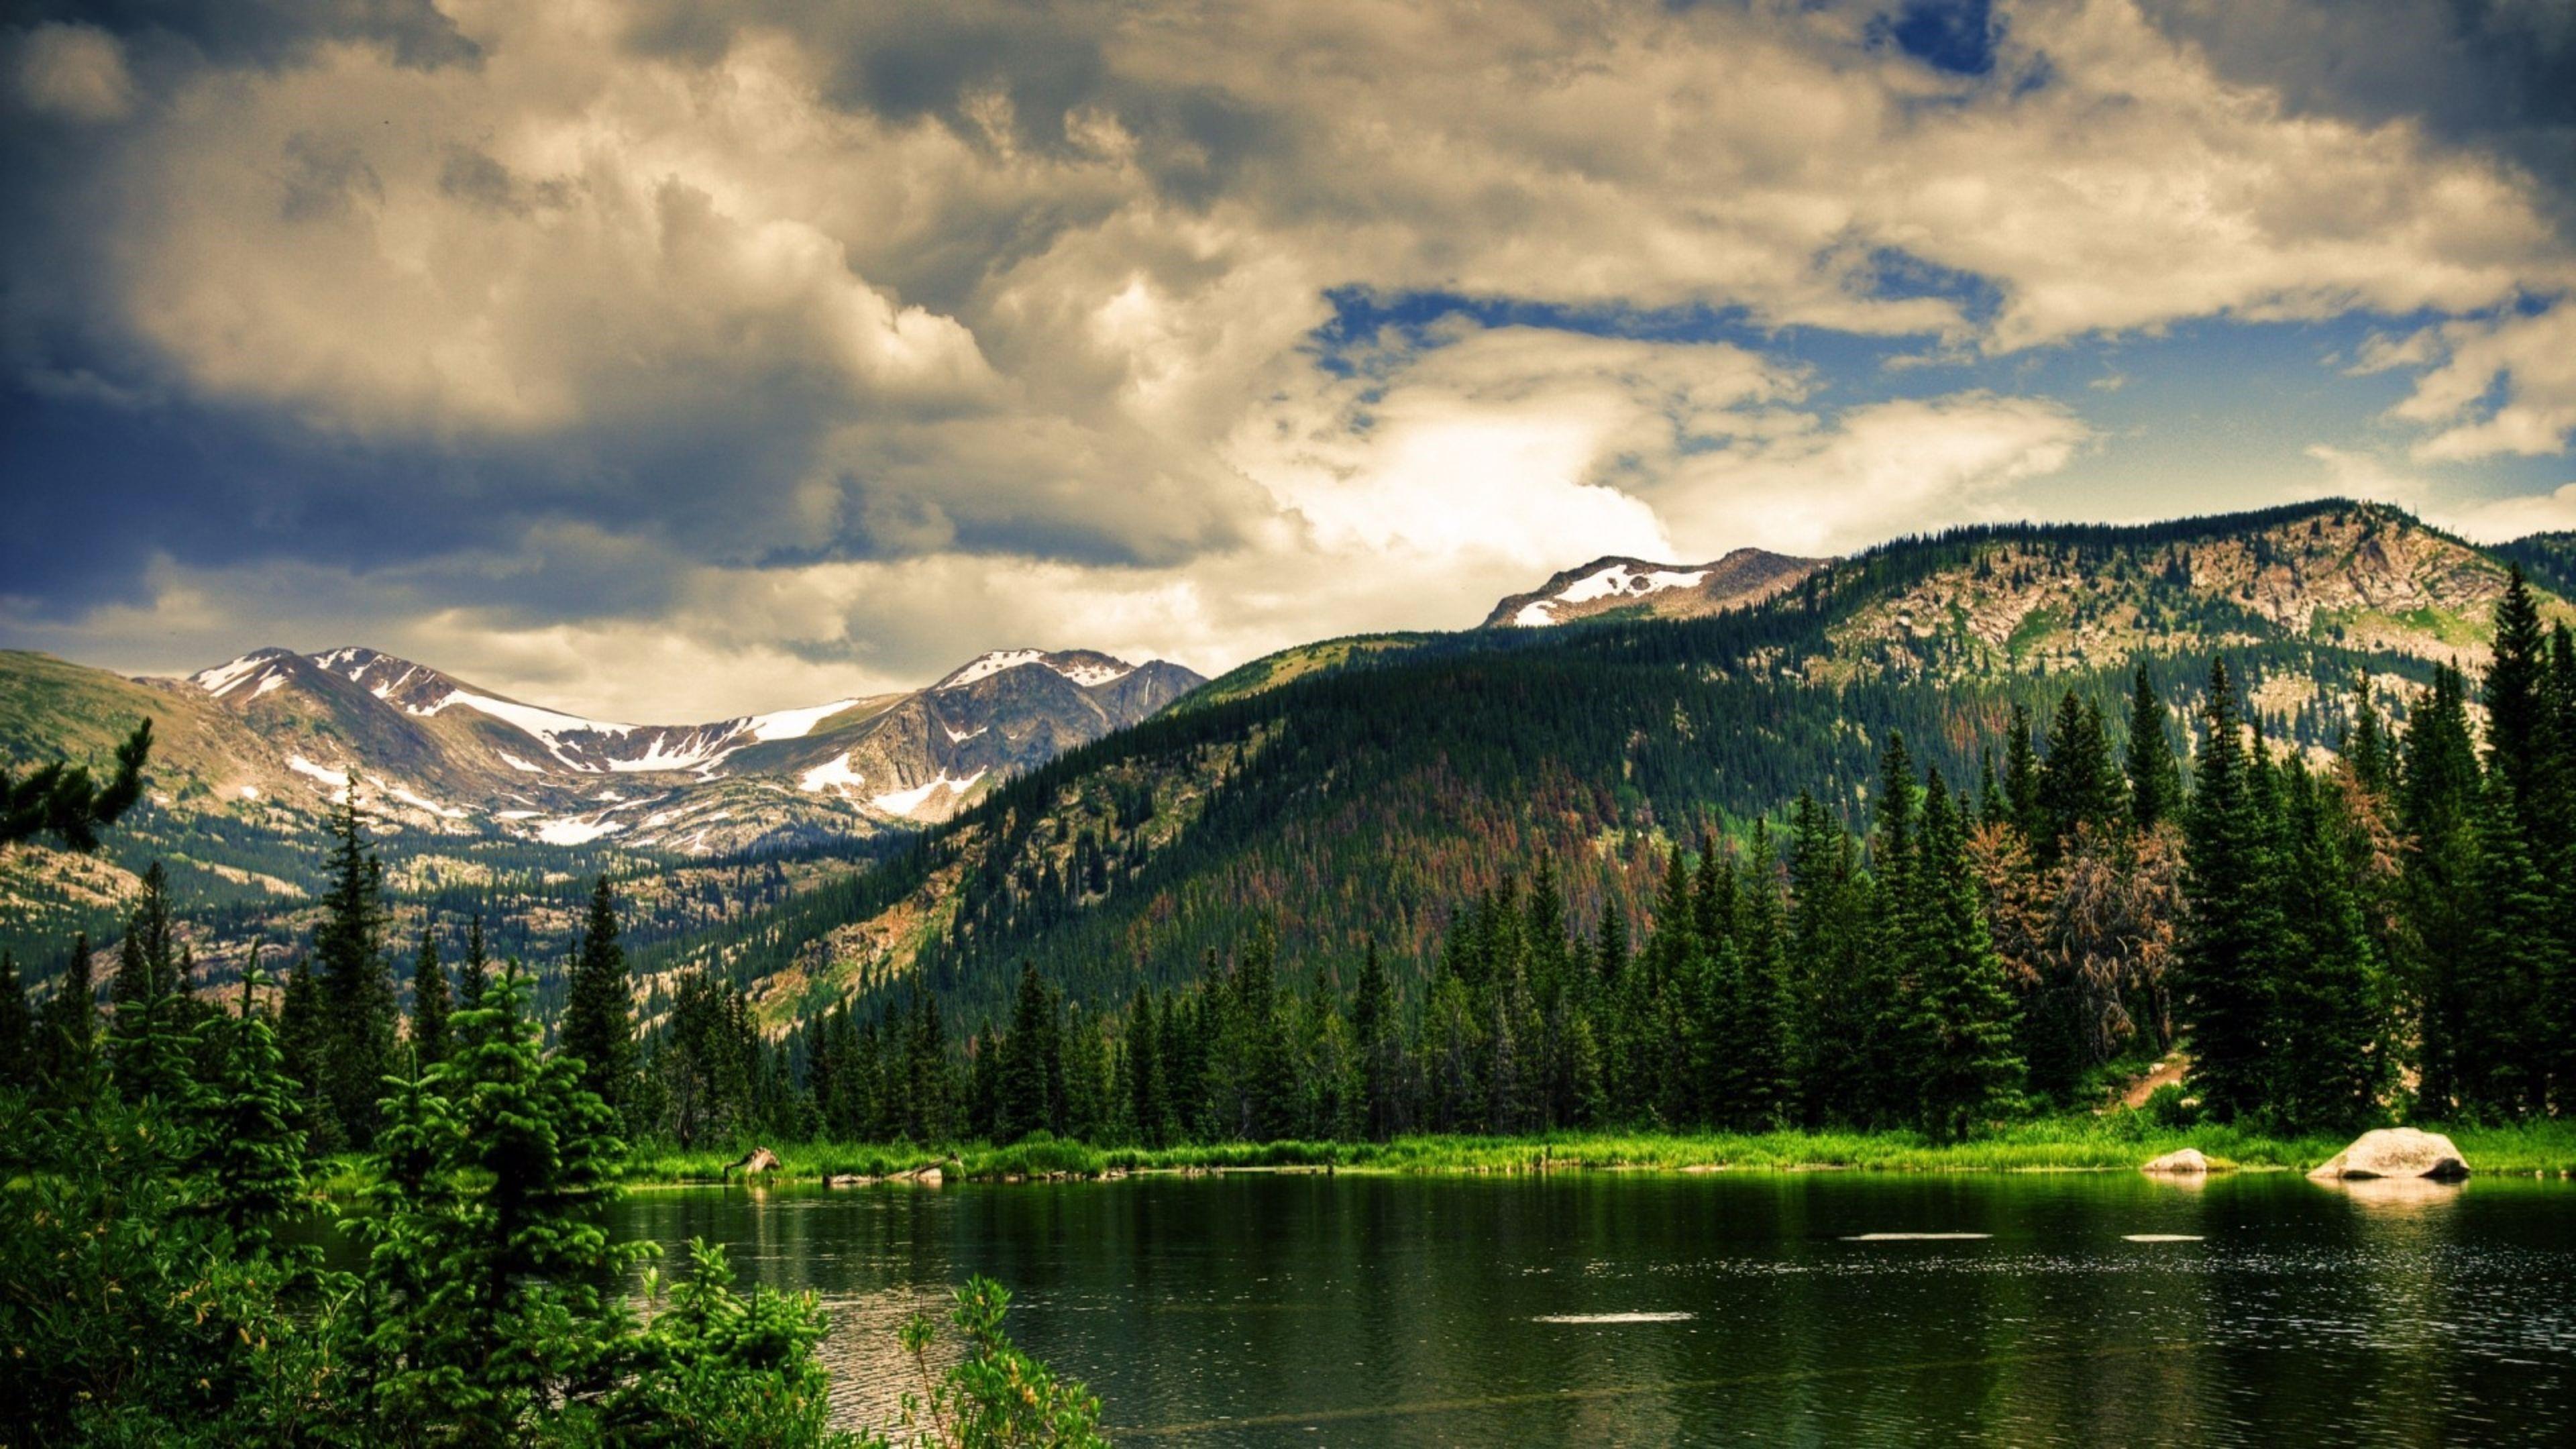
(1637, 1309)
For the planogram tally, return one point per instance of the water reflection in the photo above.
(1634, 1310)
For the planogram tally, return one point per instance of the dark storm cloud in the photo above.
(2498, 75)
(949, 61)
(265, 32)
(805, 324)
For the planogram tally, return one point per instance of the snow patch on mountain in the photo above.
(1084, 672)
(423, 802)
(985, 666)
(834, 773)
(793, 724)
(571, 831)
(1088, 675)
(337, 779)
(905, 802)
(1616, 579)
(515, 763)
(221, 679)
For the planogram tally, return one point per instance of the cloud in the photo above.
(74, 71)
(613, 325)
(2500, 385)
(2480, 517)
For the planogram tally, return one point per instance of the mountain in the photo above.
(1616, 587)
(1350, 791)
(468, 782)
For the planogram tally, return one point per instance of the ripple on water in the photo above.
(1614, 1317)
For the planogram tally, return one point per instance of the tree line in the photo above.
(2336, 937)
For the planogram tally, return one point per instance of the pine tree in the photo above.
(2155, 776)
(304, 1042)
(598, 1027)
(2226, 967)
(1381, 1047)
(2518, 733)
(494, 1292)
(249, 1157)
(65, 800)
(475, 974)
(1021, 1102)
(2365, 746)
(147, 1043)
(68, 1026)
(356, 981)
(2496, 1069)
(1142, 1064)
(2438, 804)
(2021, 776)
(1964, 1025)
(429, 1005)
(1759, 1023)
(2331, 1061)
(1887, 1068)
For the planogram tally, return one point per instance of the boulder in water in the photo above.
(2187, 1159)
(929, 1177)
(2396, 1152)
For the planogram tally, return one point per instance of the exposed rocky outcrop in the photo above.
(2183, 1160)
(2395, 1152)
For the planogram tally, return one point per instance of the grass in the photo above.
(2113, 1142)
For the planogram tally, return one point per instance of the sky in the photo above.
(667, 360)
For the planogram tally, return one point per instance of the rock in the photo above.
(929, 1177)
(2186, 1159)
(2396, 1152)
(848, 1179)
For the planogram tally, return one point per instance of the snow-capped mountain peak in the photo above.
(1082, 666)
(224, 678)
(1629, 586)
(451, 757)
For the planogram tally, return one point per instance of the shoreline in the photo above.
(2117, 1143)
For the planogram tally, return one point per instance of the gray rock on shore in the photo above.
(2395, 1152)
(2187, 1159)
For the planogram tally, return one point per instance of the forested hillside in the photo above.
(1347, 795)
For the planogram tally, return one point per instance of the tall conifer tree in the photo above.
(429, 1004)
(599, 1010)
(357, 993)
(1964, 1021)
(2155, 776)
(2225, 988)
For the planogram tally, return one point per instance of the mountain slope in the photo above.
(1363, 794)
(467, 783)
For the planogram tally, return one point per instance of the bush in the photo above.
(2167, 1107)
(996, 1395)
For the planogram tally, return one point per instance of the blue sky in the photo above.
(675, 359)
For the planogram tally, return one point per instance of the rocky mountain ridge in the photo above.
(1615, 585)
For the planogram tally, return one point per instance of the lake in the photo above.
(1651, 1309)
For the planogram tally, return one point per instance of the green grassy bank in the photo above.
(2117, 1142)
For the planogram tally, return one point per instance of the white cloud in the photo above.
(2502, 385)
(880, 335)
(2476, 515)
